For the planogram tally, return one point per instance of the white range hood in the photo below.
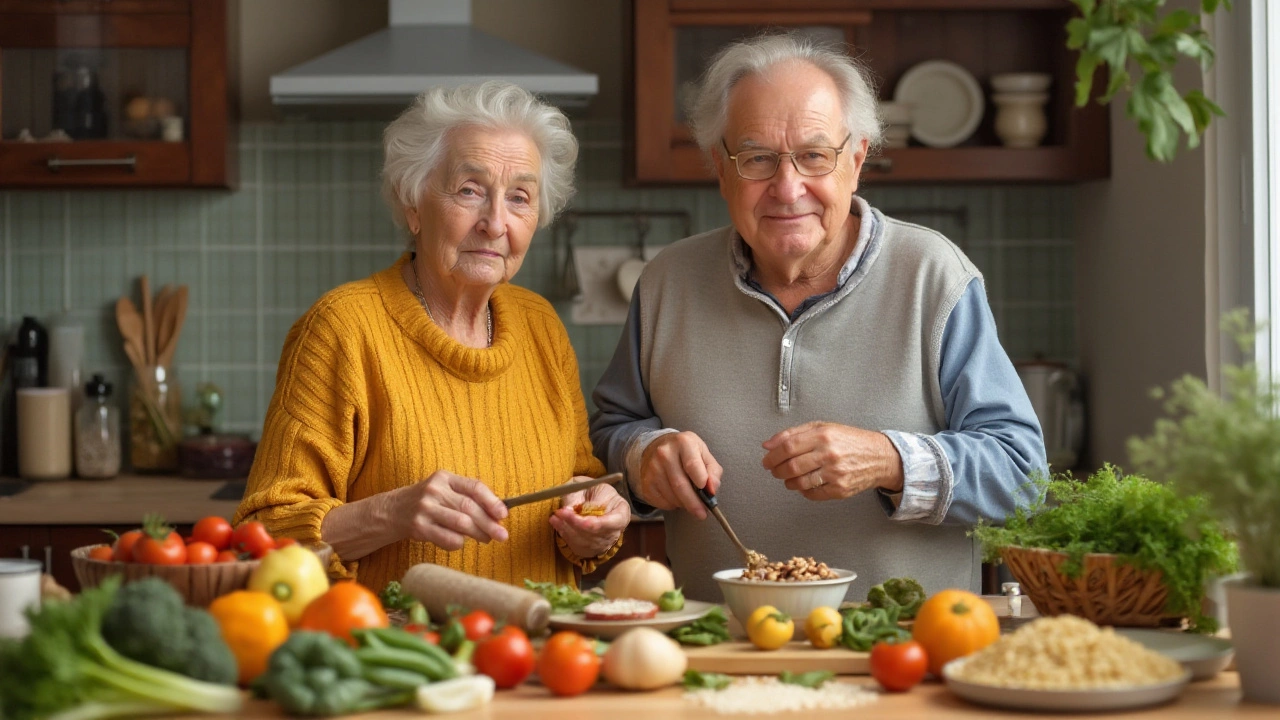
(428, 43)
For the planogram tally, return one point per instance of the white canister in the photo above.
(66, 354)
(44, 433)
(19, 589)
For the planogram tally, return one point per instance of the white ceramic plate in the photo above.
(946, 102)
(662, 622)
(1204, 656)
(1063, 700)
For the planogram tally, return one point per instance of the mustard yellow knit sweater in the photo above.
(371, 395)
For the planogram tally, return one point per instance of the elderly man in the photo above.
(832, 375)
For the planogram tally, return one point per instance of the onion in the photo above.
(640, 579)
(644, 659)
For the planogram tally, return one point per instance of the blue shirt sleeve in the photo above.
(979, 467)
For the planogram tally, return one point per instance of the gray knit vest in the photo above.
(720, 360)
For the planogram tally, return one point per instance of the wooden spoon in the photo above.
(163, 298)
(148, 323)
(131, 328)
(175, 316)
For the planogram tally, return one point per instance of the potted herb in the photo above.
(1227, 447)
(1119, 550)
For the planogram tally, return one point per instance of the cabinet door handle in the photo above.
(881, 164)
(48, 559)
(56, 163)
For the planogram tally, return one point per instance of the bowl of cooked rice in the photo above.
(796, 589)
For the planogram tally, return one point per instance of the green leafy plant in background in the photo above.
(1125, 34)
(1226, 447)
(1141, 521)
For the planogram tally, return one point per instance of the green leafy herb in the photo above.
(563, 598)
(1226, 446)
(694, 680)
(1118, 33)
(811, 679)
(1145, 523)
(865, 626)
(710, 629)
(394, 597)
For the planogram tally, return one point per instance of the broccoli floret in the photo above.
(148, 622)
(904, 594)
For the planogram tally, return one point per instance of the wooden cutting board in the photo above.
(743, 658)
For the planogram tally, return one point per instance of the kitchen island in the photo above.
(1210, 699)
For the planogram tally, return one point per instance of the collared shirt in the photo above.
(975, 376)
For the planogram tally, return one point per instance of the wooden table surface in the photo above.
(1208, 700)
(119, 500)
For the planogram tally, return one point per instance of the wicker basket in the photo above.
(1108, 591)
(198, 584)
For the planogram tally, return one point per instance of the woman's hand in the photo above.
(445, 509)
(589, 536)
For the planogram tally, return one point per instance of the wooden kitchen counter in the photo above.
(1217, 698)
(120, 500)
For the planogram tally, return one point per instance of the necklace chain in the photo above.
(417, 291)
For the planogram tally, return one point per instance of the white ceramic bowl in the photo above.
(1020, 82)
(796, 599)
(895, 113)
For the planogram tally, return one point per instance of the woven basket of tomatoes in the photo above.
(215, 560)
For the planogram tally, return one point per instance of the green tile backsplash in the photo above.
(308, 217)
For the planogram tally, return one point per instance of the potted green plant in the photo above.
(1117, 549)
(1227, 447)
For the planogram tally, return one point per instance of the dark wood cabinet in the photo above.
(137, 88)
(671, 41)
(641, 539)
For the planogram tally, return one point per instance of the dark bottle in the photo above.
(79, 105)
(30, 355)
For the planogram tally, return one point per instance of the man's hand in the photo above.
(672, 466)
(590, 536)
(828, 461)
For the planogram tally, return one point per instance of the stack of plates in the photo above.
(945, 100)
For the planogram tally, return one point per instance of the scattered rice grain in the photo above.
(761, 695)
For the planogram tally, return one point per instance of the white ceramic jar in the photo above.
(1020, 119)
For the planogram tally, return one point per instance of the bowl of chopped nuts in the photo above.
(795, 587)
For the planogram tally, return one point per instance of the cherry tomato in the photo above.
(123, 548)
(898, 666)
(253, 538)
(285, 542)
(226, 556)
(507, 657)
(169, 551)
(344, 607)
(213, 530)
(478, 624)
(201, 553)
(423, 632)
(568, 664)
(102, 552)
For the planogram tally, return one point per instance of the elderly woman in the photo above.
(408, 403)
(833, 375)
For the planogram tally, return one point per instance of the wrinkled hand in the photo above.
(828, 461)
(672, 466)
(445, 509)
(589, 536)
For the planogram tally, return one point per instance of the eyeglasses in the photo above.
(762, 164)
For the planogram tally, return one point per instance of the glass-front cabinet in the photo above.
(114, 93)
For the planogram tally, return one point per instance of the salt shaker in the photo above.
(97, 432)
(1013, 592)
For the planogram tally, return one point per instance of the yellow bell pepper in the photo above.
(769, 629)
(253, 626)
(293, 576)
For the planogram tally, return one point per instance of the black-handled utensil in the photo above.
(750, 557)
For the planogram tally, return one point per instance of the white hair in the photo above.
(414, 143)
(709, 107)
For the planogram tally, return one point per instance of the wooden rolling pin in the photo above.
(438, 587)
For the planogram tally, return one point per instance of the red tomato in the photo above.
(253, 538)
(123, 548)
(568, 664)
(102, 552)
(507, 657)
(423, 632)
(478, 624)
(898, 666)
(285, 542)
(226, 556)
(201, 553)
(169, 551)
(213, 530)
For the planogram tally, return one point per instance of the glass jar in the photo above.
(155, 421)
(97, 432)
